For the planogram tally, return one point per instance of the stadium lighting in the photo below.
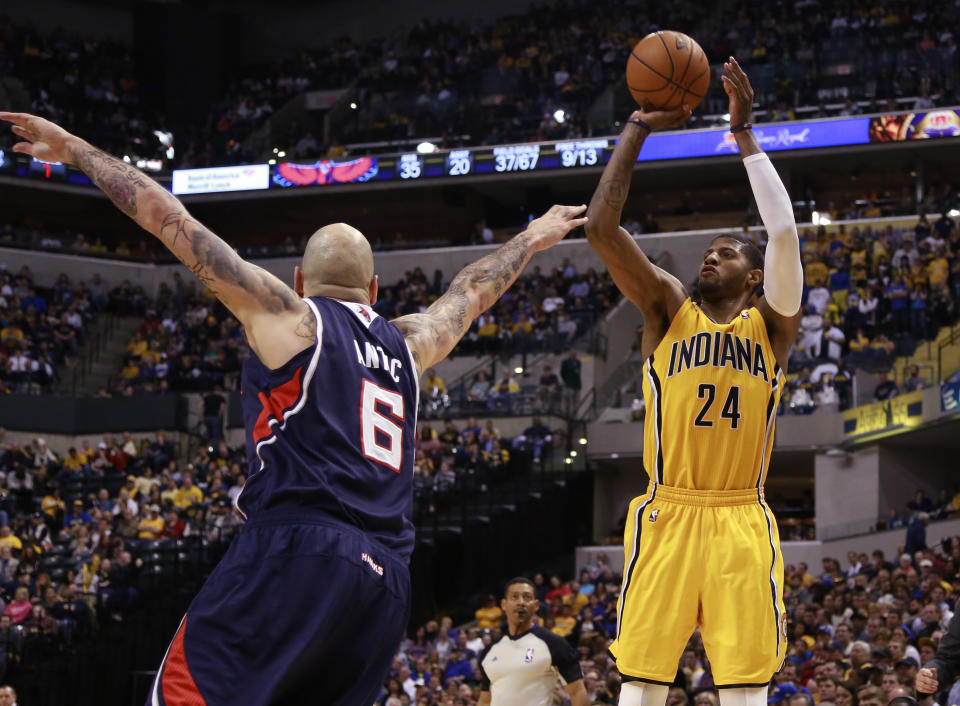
(281, 153)
(518, 370)
(276, 149)
(568, 461)
(573, 454)
(353, 106)
(126, 158)
(725, 117)
(560, 116)
(583, 441)
(272, 161)
(426, 148)
(953, 213)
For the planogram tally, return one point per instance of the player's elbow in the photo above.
(597, 231)
(590, 227)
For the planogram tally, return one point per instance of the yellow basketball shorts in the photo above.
(701, 558)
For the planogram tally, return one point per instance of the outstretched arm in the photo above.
(247, 290)
(434, 333)
(783, 271)
(654, 291)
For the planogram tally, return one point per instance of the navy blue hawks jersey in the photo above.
(333, 428)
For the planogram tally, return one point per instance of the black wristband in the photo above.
(641, 123)
(741, 127)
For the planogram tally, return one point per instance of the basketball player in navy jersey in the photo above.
(312, 598)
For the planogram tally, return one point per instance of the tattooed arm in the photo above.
(433, 334)
(257, 298)
(650, 288)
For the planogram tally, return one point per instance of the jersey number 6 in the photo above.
(373, 421)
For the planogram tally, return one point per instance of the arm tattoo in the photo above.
(614, 193)
(209, 258)
(611, 193)
(117, 179)
(307, 326)
(433, 334)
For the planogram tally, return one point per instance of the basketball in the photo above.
(667, 69)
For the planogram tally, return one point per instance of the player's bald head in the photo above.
(337, 255)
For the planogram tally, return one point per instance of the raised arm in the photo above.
(782, 268)
(434, 333)
(250, 292)
(651, 289)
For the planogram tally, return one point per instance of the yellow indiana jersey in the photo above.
(711, 392)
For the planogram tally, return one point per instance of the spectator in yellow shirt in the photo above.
(434, 381)
(53, 505)
(146, 482)
(565, 622)
(575, 599)
(137, 346)
(133, 490)
(859, 342)
(488, 617)
(75, 460)
(187, 494)
(816, 271)
(938, 269)
(8, 539)
(151, 527)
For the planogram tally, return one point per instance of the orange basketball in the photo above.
(667, 69)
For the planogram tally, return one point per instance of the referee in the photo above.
(522, 667)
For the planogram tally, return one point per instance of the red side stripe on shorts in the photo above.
(177, 685)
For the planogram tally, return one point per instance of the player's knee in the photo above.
(638, 693)
(744, 697)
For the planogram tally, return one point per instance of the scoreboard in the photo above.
(532, 157)
(503, 159)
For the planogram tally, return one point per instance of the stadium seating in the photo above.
(499, 82)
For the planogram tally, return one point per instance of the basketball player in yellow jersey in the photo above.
(701, 545)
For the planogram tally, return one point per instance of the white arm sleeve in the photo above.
(783, 273)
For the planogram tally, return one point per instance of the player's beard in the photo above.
(709, 288)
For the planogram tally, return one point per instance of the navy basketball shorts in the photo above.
(305, 613)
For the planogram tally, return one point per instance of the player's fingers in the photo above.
(571, 211)
(731, 78)
(16, 118)
(678, 114)
(24, 147)
(577, 222)
(735, 66)
(24, 133)
(741, 75)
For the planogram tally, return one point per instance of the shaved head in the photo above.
(338, 262)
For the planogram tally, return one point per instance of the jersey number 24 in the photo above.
(731, 406)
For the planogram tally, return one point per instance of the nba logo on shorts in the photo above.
(528, 656)
(744, 314)
(654, 514)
